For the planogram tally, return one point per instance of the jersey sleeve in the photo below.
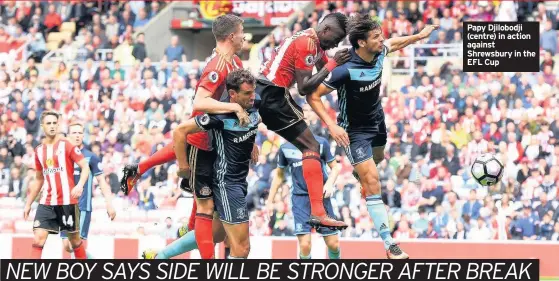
(207, 122)
(282, 161)
(336, 78)
(214, 75)
(38, 165)
(305, 53)
(96, 165)
(326, 153)
(74, 153)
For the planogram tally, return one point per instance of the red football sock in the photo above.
(192, 219)
(167, 154)
(312, 172)
(79, 252)
(204, 236)
(36, 252)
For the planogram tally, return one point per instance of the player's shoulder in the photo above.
(237, 62)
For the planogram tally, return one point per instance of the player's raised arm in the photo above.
(338, 76)
(307, 82)
(277, 180)
(203, 101)
(397, 43)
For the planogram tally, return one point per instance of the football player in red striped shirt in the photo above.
(58, 209)
(229, 35)
(293, 62)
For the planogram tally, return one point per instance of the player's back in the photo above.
(291, 158)
(95, 169)
(213, 80)
(300, 51)
(56, 161)
(358, 84)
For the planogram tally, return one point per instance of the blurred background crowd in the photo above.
(438, 121)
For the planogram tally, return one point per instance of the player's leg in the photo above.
(45, 223)
(231, 205)
(201, 163)
(186, 243)
(282, 115)
(85, 221)
(331, 236)
(300, 207)
(133, 172)
(360, 154)
(69, 218)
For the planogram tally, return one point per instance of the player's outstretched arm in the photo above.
(276, 183)
(179, 140)
(397, 43)
(315, 101)
(34, 190)
(307, 82)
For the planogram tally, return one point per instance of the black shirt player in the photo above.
(234, 144)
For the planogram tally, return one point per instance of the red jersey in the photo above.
(300, 51)
(57, 163)
(213, 80)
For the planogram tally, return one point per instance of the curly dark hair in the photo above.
(238, 77)
(359, 27)
(338, 19)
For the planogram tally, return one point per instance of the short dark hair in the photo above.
(338, 19)
(47, 113)
(237, 77)
(359, 27)
(224, 25)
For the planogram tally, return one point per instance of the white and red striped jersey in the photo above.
(57, 163)
(300, 51)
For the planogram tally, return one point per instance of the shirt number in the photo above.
(68, 222)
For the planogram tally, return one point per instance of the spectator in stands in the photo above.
(53, 21)
(141, 20)
(175, 51)
(140, 51)
(548, 38)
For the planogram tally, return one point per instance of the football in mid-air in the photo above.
(487, 169)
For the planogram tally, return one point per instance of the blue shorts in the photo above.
(301, 207)
(230, 202)
(85, 221)
(361, 144)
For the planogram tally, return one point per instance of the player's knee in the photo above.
(242, 248)
(39, 240)
(205, 206)
(67, 246)
(333, 244)
(305, 247)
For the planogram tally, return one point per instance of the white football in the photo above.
(487, 170)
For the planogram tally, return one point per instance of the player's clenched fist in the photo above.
(342, 56)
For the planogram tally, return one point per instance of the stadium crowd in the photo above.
(438, 122)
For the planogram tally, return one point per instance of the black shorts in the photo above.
(279, 112)
(57, 218)
(201, 171)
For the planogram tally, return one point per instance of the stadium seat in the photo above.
(68, 27)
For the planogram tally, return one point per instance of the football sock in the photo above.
(227, 252)
(301, 256)
(204, 235)
(79, 252)
(167, 154)
(378, 213)
(334, 255)
(36, 251)
(312, 172)
(235, 258)
(182, 245)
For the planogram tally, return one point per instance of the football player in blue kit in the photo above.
(289, 160)
(75, 136)
(234, 146)
(361, 129)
